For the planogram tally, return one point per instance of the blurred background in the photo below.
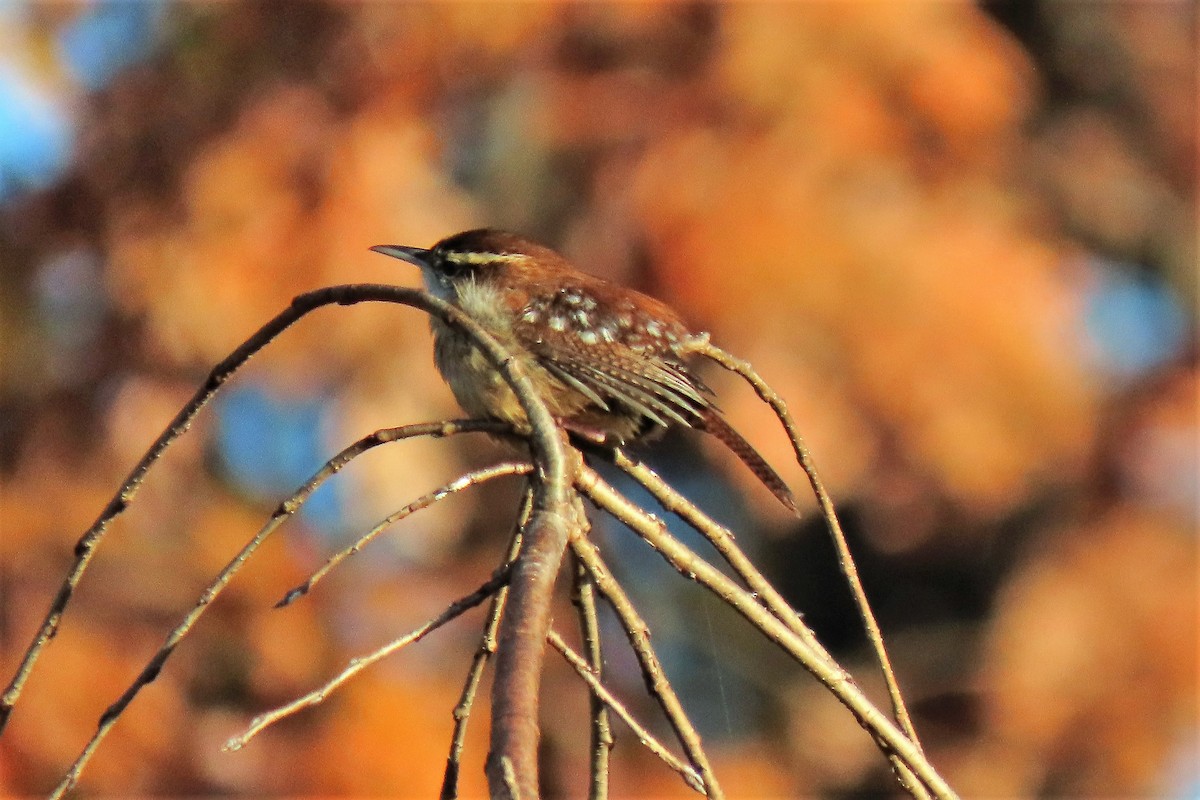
(959, 239)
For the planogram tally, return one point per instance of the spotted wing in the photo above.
(613, 355)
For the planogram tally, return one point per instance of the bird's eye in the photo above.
(449, 264)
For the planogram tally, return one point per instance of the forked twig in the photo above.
(487, 646)
(657, 684)
(357, 665)
(182, 421)
(285, 510)
(889, 738)
(513, 760)
(589, 676)
(465, 481)
(845, 561)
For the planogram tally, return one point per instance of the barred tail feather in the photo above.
(715, 424)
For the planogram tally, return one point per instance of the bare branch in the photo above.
(845, 560)
(592, 679)
(525, 585)
(657, 684)
(285, 510)
(584, 599)
(357, 665)
(722, 540)
(518, 668)
(86, 546)
(513, 761)
(424, 501)
(889, 738)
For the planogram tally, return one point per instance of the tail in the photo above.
(715, 424)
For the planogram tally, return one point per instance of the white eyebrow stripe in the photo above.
(483, 258)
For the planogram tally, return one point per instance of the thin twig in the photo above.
(657, 684)
(845, 560)
(889, 738)
(487, 646)
(518, 669)
(584, 599)
(284, 511)
(357, 665)
(722, 540)
(584, 670)
(460, 483)
(86, 546)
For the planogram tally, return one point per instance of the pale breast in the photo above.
(480, 388)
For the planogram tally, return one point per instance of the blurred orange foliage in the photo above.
(884, 206)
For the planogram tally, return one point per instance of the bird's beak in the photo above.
(414, 255)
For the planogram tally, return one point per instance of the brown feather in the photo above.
(715, 424)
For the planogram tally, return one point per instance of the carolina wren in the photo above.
(608, 362)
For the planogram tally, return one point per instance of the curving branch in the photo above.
(357, 665)
(722, 540)
(513, 759)
(465, 481)
(283, 512)
(685, 561)
(182, 422)
(845, 561)
(638, 634)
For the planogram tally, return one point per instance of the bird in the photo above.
(609, 362)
